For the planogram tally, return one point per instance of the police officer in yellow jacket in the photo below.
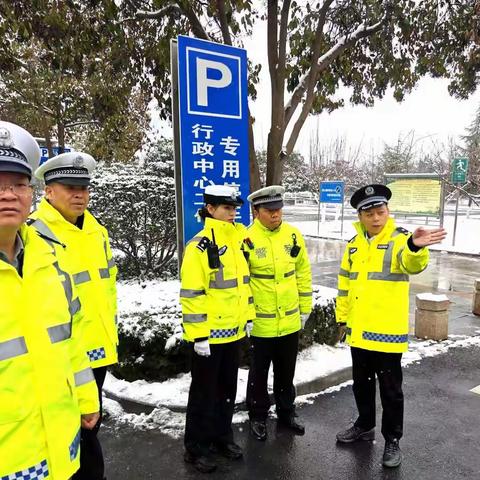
(372, 307)
(281, 284)
(217, 308)
(85, 248)
(47, 388)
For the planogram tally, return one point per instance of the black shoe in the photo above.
(228, 450)
(292, 424)
(202, 463)
(392, 455)
(258, 428)
(355, 433)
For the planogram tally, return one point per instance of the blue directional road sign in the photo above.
(44, 153)
(331, 192)
(213, 125)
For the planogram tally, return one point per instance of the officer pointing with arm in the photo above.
(281, 283)
(85, 248)
(372, 306)
(47, 387)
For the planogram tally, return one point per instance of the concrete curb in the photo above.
(315, 385)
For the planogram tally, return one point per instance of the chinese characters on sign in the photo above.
(213, 125)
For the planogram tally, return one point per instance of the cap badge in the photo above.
(78, 162)
(5, 138)
(369, 191)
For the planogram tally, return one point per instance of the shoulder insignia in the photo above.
(352, 239)
(203, 244)
(29, 221)
(222, 250)
(402, 230)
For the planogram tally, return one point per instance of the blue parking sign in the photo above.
(213, 125)
(331, 192)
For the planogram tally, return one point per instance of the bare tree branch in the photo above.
(222, 17)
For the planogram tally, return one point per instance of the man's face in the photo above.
(270, 219)
(374, 219)
(15, 199)
(70, 200)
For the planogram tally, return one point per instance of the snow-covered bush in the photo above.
(136, 203)
(151, 345)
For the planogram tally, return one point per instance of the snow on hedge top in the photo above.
(159, 300)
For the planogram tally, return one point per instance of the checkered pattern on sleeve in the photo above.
(37, 472)
(96, 354)
(223, 333)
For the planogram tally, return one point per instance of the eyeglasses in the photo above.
(19, 189)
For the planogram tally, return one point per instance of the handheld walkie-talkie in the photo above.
(212, 253)
(295, 249)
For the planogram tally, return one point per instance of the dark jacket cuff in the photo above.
(411, 246)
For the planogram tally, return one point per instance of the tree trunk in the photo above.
(255, 182)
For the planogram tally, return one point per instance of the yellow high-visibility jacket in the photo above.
(216, 302)
(373, 288)
(281, 284)
(46, 382)
(87, 256)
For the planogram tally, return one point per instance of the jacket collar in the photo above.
(384, 234)
(266, 230)
(51, 215)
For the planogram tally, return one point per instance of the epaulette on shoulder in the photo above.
(203, 244)
(402, 230)
(352, 239)
(29, 221)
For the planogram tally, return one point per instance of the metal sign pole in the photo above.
(318, 218)
(343, 209)
(456, 217)
(177, 153)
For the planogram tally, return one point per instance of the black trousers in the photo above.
(282, 352)
(387, 366)
(211, 399)
(91, 456)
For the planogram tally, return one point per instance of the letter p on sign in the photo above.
(213, 84)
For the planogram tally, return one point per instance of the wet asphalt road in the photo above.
(441, 441)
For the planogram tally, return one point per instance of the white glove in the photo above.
(304, 317)
(249, 328)
(202, 348)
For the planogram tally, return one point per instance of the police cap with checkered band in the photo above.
(19, 152)
(72, 168)
(222, 195)
(270, 197)
(370, 196)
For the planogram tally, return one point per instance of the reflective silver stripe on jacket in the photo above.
(291, 312)
(289, 274)
(189, 293)
(13, 348)
(84, 376)
(220, 282)
(266, 315)
(81, 277)
(59, 333)
(353, 275)
(74, 306)
(194, 239)
(386, 273)
(399, 257)
(42, 228)
(104, 272)
(246, 279)
(111, 263)
(344, 273)
(194, 317)
(342, 293)
(305, 294)
(265, 276)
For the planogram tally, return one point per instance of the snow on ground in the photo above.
(466, 239)
(313, 362)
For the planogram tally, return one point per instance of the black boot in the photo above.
(228, 450)
(355, 433)
(203, 463)
(392, 455)
(292, 424)
(258, 428)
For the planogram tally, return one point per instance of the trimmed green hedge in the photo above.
(143, 353)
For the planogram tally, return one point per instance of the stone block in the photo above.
(476, 298)
(431, 316)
